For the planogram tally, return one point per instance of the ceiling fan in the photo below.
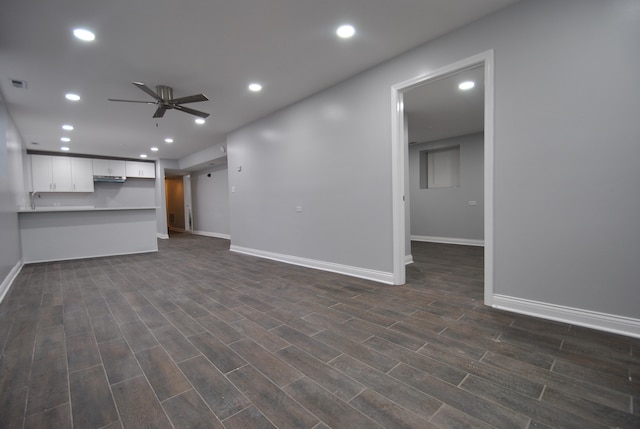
(165, 101)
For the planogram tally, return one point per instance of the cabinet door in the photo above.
(148, 170)
(141, 169)
(101, 167)
(117, 167)
(41, 173)
(82, 174)
(61, 174)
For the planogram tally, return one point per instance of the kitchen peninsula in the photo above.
(74, 232)
(87, 208)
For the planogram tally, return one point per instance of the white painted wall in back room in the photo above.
(210, 191)
(445, 213)
(565, 233)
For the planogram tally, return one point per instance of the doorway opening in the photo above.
(400, 159)
(178, 203)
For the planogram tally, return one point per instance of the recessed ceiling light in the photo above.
(467, 85)
(168, 140)
(143, 155)
(84, 34)
(345, 31)
(154, 149)
(64, 148)
(72, 97)
(255, 87)
(200, 121)
(67, 127)
(65, 139)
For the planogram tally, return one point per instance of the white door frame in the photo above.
(398, 163)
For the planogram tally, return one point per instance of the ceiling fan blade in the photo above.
(160, 112)
(191, 111)
(148, 90)
(190, 99)
(131, 101)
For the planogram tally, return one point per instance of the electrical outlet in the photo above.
(299, 209)
(473, 203)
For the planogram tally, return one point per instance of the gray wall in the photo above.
(11, 195)
(211, 201)
(566, 201)
(445, 212)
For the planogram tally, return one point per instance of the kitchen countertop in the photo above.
(46, 209)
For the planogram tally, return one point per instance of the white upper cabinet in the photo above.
(61, 174)
(141, 169)
(108, 167)
(82, 174)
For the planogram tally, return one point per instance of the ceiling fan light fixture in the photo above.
(84, 34)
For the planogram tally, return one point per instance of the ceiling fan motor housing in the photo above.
(164, 92)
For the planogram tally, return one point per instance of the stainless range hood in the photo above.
(110, 179)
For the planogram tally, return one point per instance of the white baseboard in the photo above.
(363, 273)
(212, 234)
(8, 281)
(106, 255)
(163, 236)
(575, 316)
(448, 240)
(408, 259)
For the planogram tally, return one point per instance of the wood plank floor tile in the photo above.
(138, 335)
(138, 406)
(58, 417)
(361, 352)
(220, 329)
(267, 339)
(48, 386)
(82, 352)
(540, 411)
(277, 370)
(221, 396)
(188, 411)
(312, 346)
(221, 355)
(91, 402)
(248, 418)
(389, 387)
(269, 324)
(12, 407)
(592, 410)
(496, 415)
(387, 413)
(334, 381)
(333, 412)
(163, 374)
(274, 403)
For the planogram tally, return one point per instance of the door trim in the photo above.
(398, 163)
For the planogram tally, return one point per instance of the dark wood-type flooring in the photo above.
(195, 336)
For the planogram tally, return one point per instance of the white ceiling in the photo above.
(439, 109)
(212, 46)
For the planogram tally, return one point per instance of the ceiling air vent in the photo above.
(17, 83)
